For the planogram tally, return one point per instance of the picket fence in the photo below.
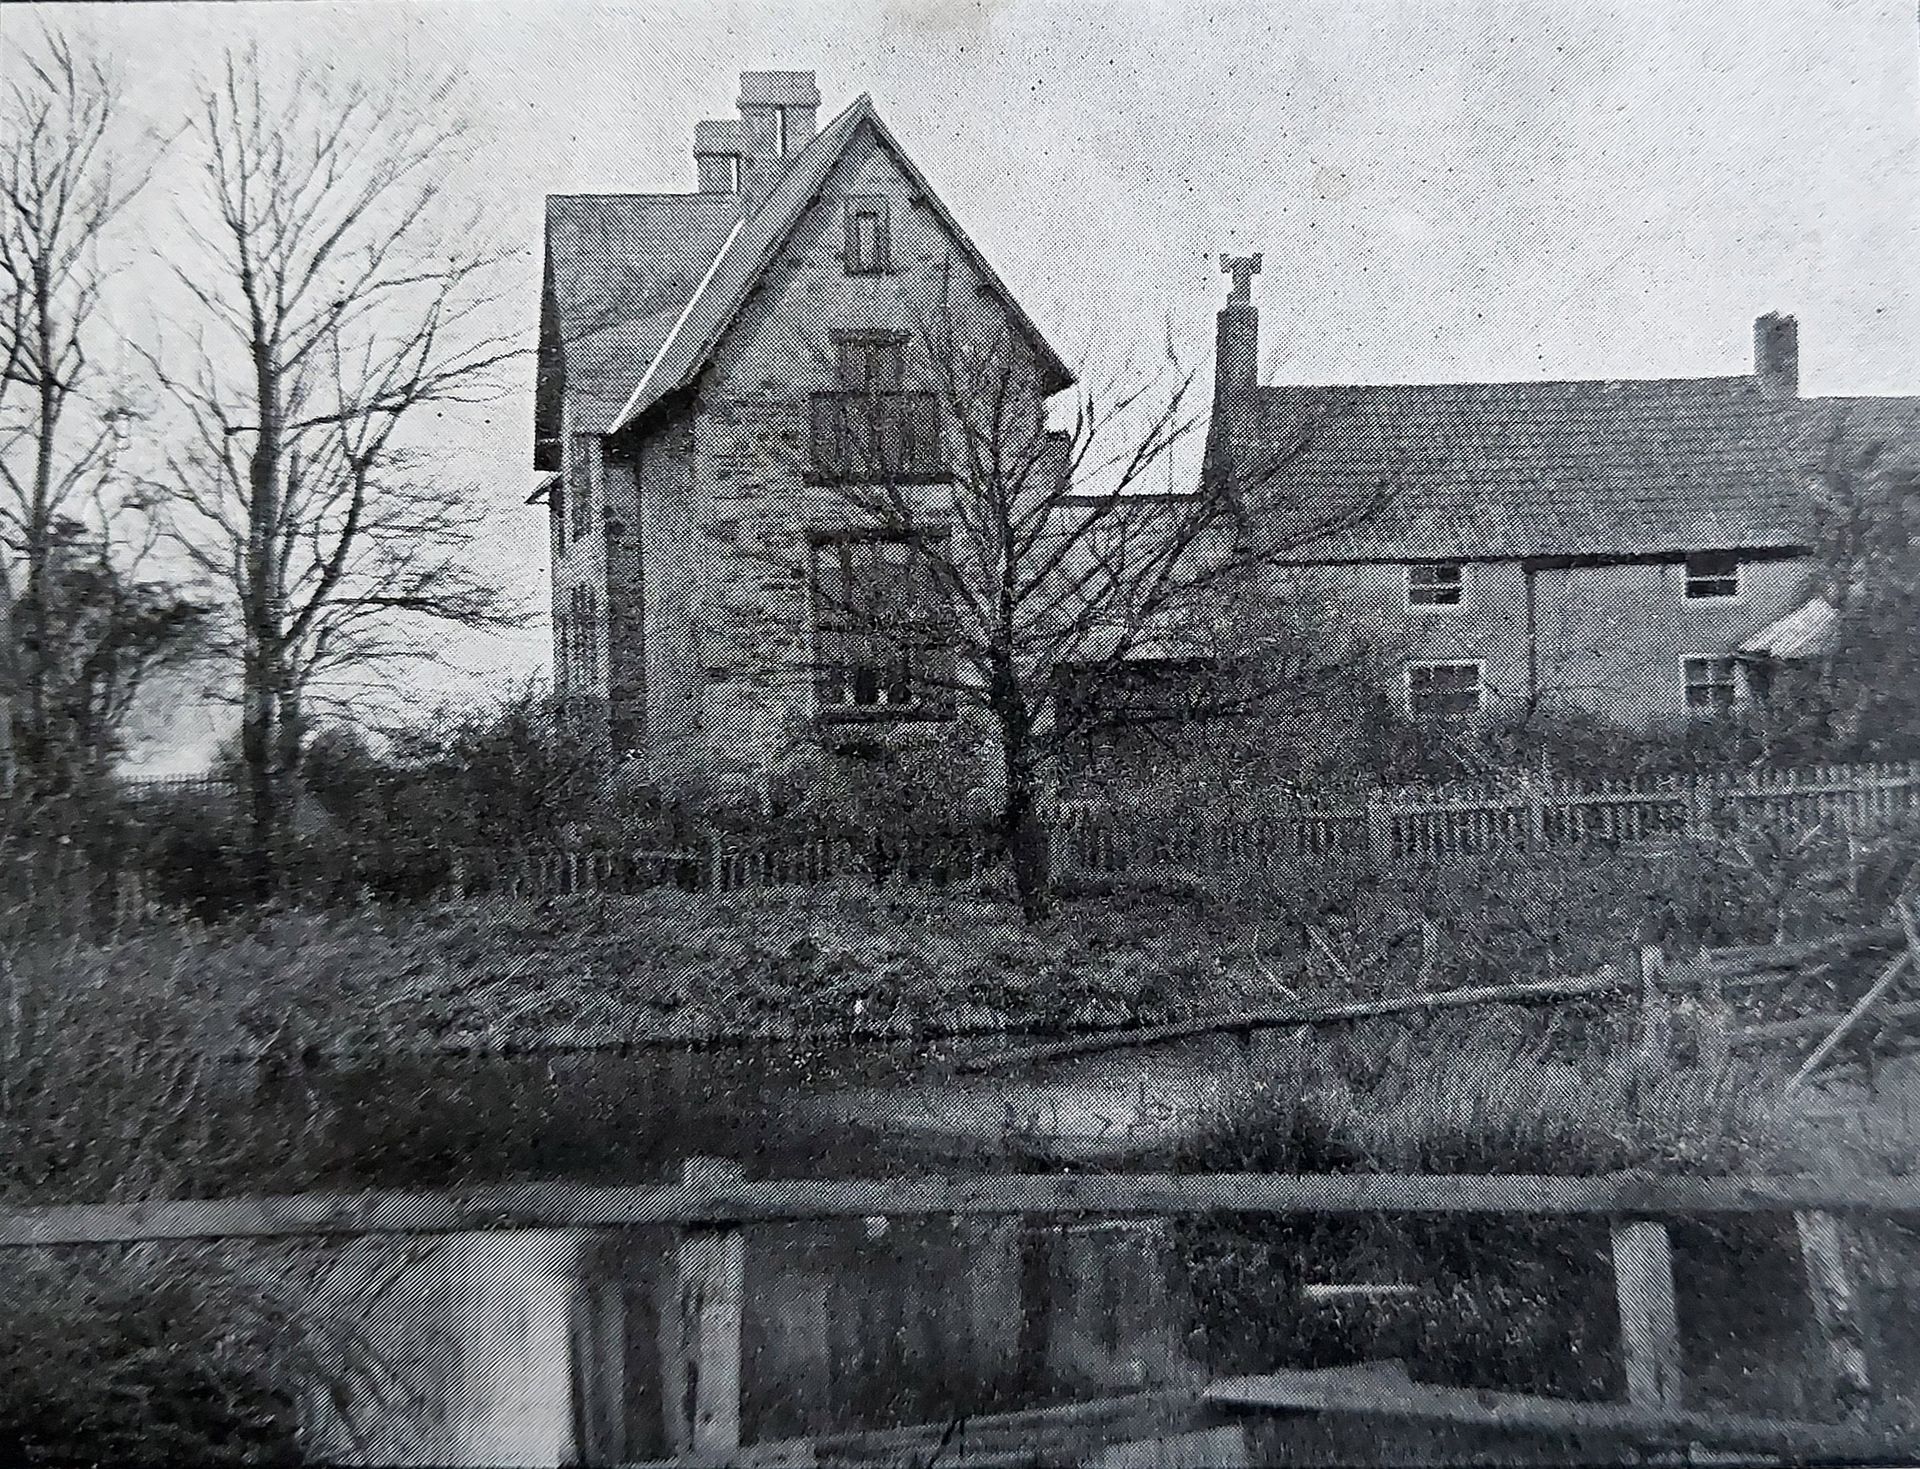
(1379, 827)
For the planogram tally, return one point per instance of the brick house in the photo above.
(1636, 550)
(711, 366)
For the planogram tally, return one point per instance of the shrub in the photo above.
(131, 1360)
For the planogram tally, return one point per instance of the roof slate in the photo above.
(623, 268)
(645, 285)
(1499, 470)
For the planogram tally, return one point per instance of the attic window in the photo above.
(1713, 574)
(867, 251)
(1436, 585)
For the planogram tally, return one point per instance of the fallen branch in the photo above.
(1811, 1025)
(1860, 1007)
(1607, 981)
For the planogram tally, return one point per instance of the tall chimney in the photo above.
(1236, 381)
(1236, 365)
(1776, 355)
(717, 151)
(779, 113)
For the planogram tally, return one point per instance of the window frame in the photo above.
(1731, 683)
(1436, 601)
(1479, 667)
(854, 255)
(1696, 577)
(921, 703)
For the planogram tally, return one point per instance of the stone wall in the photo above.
(727, 509)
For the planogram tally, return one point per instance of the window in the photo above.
(1711, 684)
(1713, 574)
(556, 503)
(579, 487)
(870, 430)
(867, 249)
(1448, 690)
(1437, 585)
(580, 646)
(879, 638)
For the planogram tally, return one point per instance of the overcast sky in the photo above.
(1445, 190)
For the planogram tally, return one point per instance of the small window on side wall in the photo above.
(1711, 684)
(868, 250)
(1444, 690)
(1713, 574)
(1436, 584)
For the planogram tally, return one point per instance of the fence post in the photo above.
(700, 1328)
(1379, 828)
(1823, 1252)
(1649, 1324)
(1656, 1018)
(1537, 815)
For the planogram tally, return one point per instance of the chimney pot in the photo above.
(1776, 355)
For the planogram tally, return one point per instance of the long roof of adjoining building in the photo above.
(1542, 469)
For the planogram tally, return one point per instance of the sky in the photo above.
(1442, 189)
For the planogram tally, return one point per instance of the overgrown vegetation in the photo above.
(128, 1359)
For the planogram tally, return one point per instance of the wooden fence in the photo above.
(1436, 823)
(713, 1204)
(1380, 827)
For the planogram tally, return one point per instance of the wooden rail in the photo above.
(703, 1200)
(711, 1204)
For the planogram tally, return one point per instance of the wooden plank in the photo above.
(701, 1327)
(1649, 1324)
(1866, 1002)
(1830, 1284)
(574, 1206)
(1807, 1025)
(1370, 1395)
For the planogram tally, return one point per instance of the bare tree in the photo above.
(62, 416)
(337, 295)
(997, 566)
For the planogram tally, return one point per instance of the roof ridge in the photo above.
(1542, 382)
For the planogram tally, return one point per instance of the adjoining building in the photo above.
(1628, 549)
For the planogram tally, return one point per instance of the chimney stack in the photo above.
(779, 113)
(1776, 355)
(1237, 344)
(717, 151)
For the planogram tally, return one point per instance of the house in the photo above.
(1628, 549)
(714, 368)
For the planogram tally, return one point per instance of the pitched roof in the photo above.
(1498, 470)
(650, 283)
(621, 269)
(1805, 632)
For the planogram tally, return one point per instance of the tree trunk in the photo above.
(264, 673)
(1023, 829)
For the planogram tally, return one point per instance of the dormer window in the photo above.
(868, 250)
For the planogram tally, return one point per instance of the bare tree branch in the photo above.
(338, 297)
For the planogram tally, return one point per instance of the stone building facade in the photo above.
(706, 362)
